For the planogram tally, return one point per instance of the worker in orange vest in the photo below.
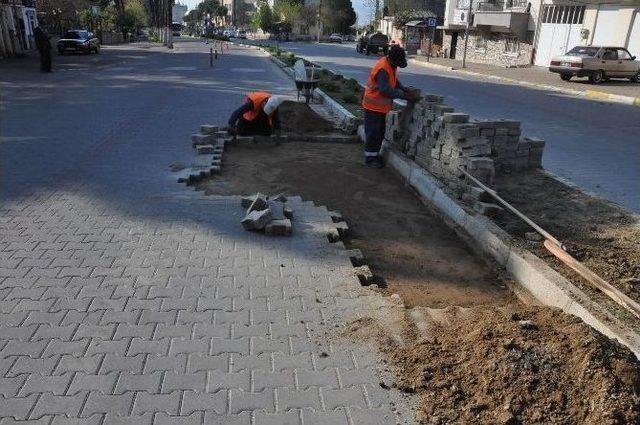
(382, 87)
(258, 115)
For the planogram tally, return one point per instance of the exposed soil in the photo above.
(604, 237)
(509, 365)
(298, 118)
(465, 346)
(408, 247)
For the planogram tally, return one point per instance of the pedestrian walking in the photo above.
(382, 87)
(258, 116)
(43, 44)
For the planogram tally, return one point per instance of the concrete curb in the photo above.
(545, 284)
(588, 94)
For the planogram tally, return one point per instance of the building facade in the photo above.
(501, 32)
(18, 20)
(522, 32)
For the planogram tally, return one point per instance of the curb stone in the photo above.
(589, 94)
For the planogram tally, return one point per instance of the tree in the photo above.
(287, 10)
(308, 17)
(134, 18)
(263, 18)
(337, 16)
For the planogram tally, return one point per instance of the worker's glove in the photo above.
(411, 95)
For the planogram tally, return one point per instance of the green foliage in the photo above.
(287, 10)
(135, 17)
(338, 16)
(263, 18)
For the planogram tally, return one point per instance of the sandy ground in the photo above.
(604, 237)
(412, 251)
(510, 365)
(458, 339)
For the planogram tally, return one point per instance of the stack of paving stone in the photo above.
(443, 141)
(270, 214)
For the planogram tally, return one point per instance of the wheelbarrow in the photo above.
(306, 80)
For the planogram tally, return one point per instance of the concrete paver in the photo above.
(125, 298)
(252, 350)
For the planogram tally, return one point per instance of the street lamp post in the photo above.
(466, 35)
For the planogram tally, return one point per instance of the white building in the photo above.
(564, 25)
(524, 32)
(18, 20)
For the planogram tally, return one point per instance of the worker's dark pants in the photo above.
(45, 60)
(374, 127)
(257, 127)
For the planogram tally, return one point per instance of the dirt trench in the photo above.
(484, 357)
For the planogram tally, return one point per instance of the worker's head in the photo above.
(272, 104)
(397, 56)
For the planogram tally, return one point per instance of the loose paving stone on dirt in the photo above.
(118, 313)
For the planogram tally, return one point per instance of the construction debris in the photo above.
(268, 213)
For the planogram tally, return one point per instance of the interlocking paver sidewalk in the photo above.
(171, 313)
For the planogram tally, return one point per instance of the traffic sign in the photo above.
(432, 22)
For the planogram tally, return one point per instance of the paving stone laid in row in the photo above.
(167, 311)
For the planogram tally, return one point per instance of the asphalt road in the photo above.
(591, 144)
(116, 126)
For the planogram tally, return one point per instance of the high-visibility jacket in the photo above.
(373, 99)
(258, 98)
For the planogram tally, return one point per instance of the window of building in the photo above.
(556, 14)
(511, 45)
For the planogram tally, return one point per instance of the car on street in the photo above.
(242, 35)
(373, 43)
(335, 38)
(598, 63)
(82, 41)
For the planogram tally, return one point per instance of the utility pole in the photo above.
(319, 20)
(466, 35)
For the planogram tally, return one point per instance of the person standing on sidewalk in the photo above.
(258, 116)
(43, 44)
(382, 87)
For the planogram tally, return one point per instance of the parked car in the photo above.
(373, 43)
(335, 38)
(242, 35)
(349, 37)
(599, 63)
(78, 41)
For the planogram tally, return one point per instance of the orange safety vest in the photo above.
(373, 99)
(258, 98)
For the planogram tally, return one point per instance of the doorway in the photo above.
(454, 45)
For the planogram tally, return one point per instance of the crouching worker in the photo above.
(382, 87)
(258, 116)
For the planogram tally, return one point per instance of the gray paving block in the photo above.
(151, 403)
(119, 405)
(17, 407)
(286, 418)
(50, 404)
(241, 401)
(312, 417)
(200, 401)
(37, 383)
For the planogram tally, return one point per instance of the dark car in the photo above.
(82, 41)
(373, 43)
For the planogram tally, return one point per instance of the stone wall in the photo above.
(492, 48)
(441, 140)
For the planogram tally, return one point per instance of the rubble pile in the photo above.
(442, 140)
(270, 214)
